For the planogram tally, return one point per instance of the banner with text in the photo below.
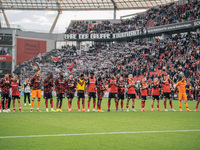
(174, 27)
(29, 48)
(105, 35)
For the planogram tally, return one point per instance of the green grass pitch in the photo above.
(54, 123)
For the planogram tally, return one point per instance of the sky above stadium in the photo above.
(42, 20)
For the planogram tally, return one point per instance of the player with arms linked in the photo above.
(182, 92)
(121, 91)
(71, 86)
(198, 94)
(5, 89)
(100, 93)
(48, 85)
(131, 93)
(60, 85)
(92, 89)
(166, 84)
(15, 85)
(155, 91)
(35, 84)
(143, 89)
(81, 92)
(113, 92)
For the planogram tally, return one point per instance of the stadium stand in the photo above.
(179, 13)
(160, 15)
(177, 54)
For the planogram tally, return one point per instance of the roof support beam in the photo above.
(114, 13)
(6, 19)
(54, 23)
(115, 9)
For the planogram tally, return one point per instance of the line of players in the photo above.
(117, 92)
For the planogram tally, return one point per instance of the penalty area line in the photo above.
(103, 133)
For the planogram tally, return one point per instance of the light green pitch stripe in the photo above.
(103, 133)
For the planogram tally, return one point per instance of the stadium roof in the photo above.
(66, 5)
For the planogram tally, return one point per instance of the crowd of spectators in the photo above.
(179, 13)
(160, 15)
(136, 23)
(4, 51)
(177, 54)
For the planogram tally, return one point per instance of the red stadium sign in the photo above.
(28, 49)
(5, 58)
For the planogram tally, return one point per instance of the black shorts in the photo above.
(131, 96)
(120, 96)
(144, 97)
(155, 97)
(4, 96)
(112, 95)
(15, 97)
(60, 95)
(92, 94)
(70, 95)
(81, 95)
(167, 95)
(48, 95)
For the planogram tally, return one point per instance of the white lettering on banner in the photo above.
(172, 27)
(70, 36)
(197, 23)
(2, 58)
(103, 36)
(126, 34)
(99, 36)
(83, 36)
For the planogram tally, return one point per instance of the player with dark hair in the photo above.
(143, 89)
(10, 94)
(92, 89)
(5, 89)
(182, 92)
(198, 95)
(16, 85)
(60, 85)
(48, 85)
(100, 93)
(121, 91)
(113, 92)
(71, 86)
(167, 91)
(155, 92)
(35, 84)
(131, 93)
(81, 92)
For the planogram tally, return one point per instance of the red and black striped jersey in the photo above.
(35, 83)
(60, 85)
(198, 87)
(131, 90)
(5, 87)
(155, 88)
(113, 87)
(71, 86)
(166, 87)
(143, 91)
(92, 82)
(15, 88)
(121, 87)
(48, 84)
(100, 87)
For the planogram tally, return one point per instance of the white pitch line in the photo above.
(104, 133)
